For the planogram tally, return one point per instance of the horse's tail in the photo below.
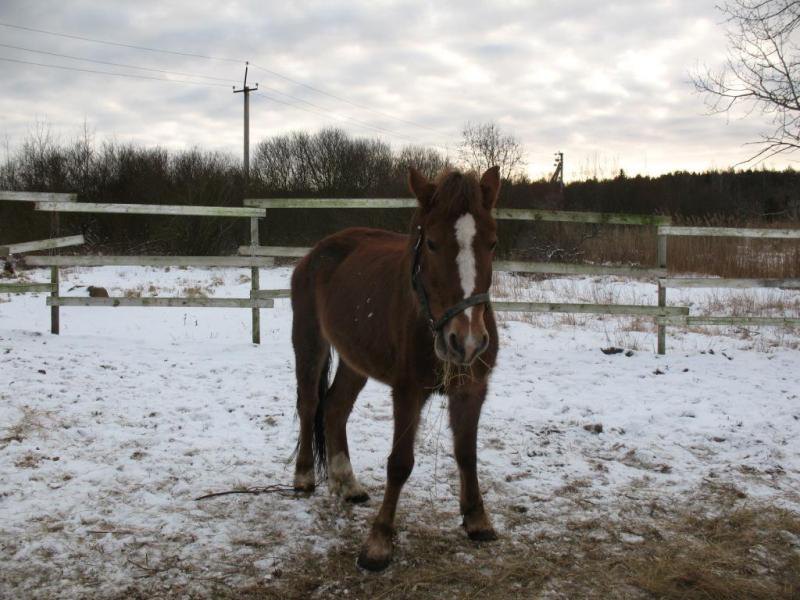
(318, 443)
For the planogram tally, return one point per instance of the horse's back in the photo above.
(347, 284)
(356, 242)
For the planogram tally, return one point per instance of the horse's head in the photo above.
(455, 235)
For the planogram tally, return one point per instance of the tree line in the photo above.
(329, 163)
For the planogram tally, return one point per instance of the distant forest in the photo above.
(332, 164)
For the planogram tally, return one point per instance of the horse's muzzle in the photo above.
(460, 349)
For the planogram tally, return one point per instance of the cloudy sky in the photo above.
(607, 83)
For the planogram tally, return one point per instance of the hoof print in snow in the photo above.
(42, 371)
(629, 353)
(594, 428)
(611, 350)
(658, 372)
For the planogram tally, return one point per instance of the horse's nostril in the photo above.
(454, 345)
(484, 342)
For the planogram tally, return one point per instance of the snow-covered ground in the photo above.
(110, 431)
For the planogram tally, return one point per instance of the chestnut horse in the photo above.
(401, 309)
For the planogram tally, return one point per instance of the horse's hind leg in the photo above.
(312, 355)
(338, 404)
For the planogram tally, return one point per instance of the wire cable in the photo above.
(345, 100)
(232, 60)
(129, 75)
(121, 44)
(113, 64)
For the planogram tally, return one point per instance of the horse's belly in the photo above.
(357, 321)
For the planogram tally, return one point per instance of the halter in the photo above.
(422, 295)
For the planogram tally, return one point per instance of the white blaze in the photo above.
(465, 235)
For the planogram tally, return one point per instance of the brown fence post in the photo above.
(55, 321)
(662, 291)
(255, 285)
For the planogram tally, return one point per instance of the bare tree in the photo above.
(484, 146)
(762, 71)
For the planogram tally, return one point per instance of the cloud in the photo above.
(591, 79)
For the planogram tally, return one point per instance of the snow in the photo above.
(110, 431)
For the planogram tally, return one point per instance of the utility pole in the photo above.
(558, 174)
(246, 90)
(255, 283)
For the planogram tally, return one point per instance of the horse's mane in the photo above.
(456, 192)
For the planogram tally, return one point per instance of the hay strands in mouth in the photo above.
(284, 490)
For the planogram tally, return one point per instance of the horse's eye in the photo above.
(431, 245)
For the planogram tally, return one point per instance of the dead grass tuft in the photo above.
(698, 552)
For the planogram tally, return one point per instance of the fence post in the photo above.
(55, 322)
(255, 284)
(662, 292)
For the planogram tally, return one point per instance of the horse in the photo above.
(411, 311)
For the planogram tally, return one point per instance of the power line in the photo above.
(129, 75)
(123, 45)
(113, 64)
(207, 57)
(345, 100)
(338, 116)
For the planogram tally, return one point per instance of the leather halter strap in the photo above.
(455, 310)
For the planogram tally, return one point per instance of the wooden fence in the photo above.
(255, 256)
(653, 273)
(708, 282)
(662, 314)
(58, 203)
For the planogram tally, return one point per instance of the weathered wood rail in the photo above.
(36, 197)
(49, 244)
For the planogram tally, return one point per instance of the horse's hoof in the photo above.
(359, 498)
(373, 563)
(304, 482)
(482, 535)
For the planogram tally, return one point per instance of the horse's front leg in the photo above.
(465, 403)
(376, 554)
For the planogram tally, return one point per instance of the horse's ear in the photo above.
(420, 187)
(490, 186)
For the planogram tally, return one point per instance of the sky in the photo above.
(607, 83)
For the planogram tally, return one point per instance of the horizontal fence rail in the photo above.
(151, 209)
(276, 251)
(595, 309)
(148, 261)
(49, 244)
(547, 307)
(198, 302)
(36, 196)
(729, 320)
(514, 266)
(718, 282)
(23, 288)
(520, 214)
(739, 232)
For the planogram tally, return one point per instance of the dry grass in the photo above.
(727, 551)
